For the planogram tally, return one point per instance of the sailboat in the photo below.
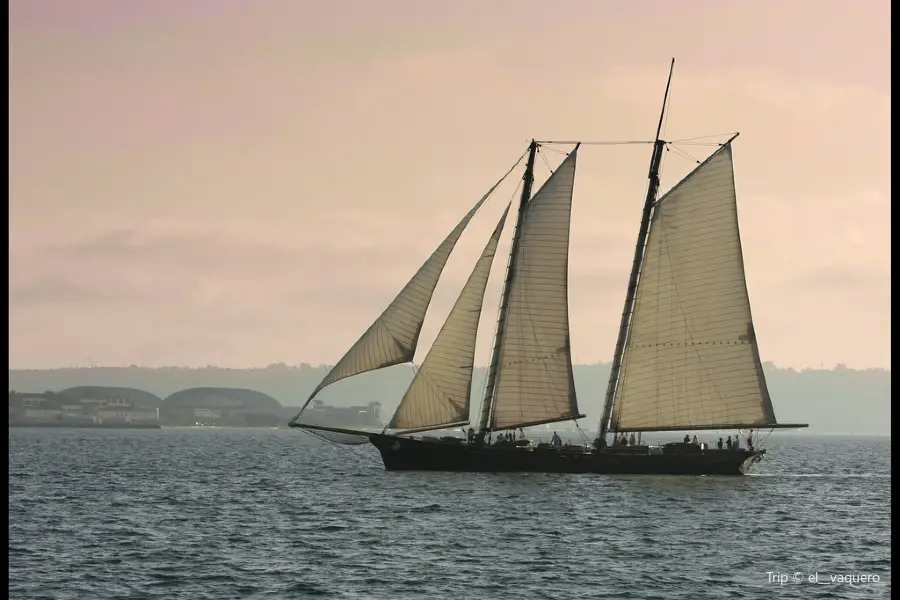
(686, 356)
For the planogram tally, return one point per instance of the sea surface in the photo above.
(194, 514)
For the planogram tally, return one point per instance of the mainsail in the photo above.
(393, 337)
(691, 361)
(534, 382)
(439, 395)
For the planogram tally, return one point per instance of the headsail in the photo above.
(393, 337)
(691, 360)
(440, 392)
(534, 381)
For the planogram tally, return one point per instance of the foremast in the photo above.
(628, 310)
(496, 354)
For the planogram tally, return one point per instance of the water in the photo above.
(194, 514)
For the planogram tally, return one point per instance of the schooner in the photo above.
(686, 356)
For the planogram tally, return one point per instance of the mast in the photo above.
(487, 403)
(652, 189)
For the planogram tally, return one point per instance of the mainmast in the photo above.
(487, 403)
(627, 312)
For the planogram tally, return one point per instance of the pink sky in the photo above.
(241, 183)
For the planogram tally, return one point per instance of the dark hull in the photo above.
(407, 454)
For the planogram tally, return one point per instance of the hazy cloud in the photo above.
(46, 291)
(207, 200)
(841, 278)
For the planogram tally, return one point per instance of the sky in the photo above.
(240, 183)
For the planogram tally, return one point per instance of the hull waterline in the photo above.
(432, 454)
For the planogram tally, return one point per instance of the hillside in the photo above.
(836, 400)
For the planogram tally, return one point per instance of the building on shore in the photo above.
(85, 406)
(228, 407)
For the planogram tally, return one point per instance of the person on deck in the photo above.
(555, 441)
(719, 443)
(470, 435)
(728, 443)
(631, 439)
(750, 440)
(696, 442)
(687, 439)
(521, 433)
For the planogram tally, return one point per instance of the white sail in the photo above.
(440, 392)
(534, 381)
(393, 337)
(691, 359)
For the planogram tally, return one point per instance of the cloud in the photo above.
(199, 249)
(44, 291)
(838, 277)
(272, 203)
(833, 292)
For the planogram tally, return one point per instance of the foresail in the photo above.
(440, 392)
(393, 337)
(692, 359)
(534, 382)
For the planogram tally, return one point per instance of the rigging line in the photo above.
(702, 137)
(344, 447)
(684, 154)
(597, 143)
(557, 150)
(486, 373)
(581, 431)
(709, 144)
(369, 457)
(764, 437)
(546, 162)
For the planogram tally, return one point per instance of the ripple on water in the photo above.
(185, 514)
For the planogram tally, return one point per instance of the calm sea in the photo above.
(194, 514)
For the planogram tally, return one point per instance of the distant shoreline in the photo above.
(816, 396)
(86, 426)
(223, 427)
(138, 426)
